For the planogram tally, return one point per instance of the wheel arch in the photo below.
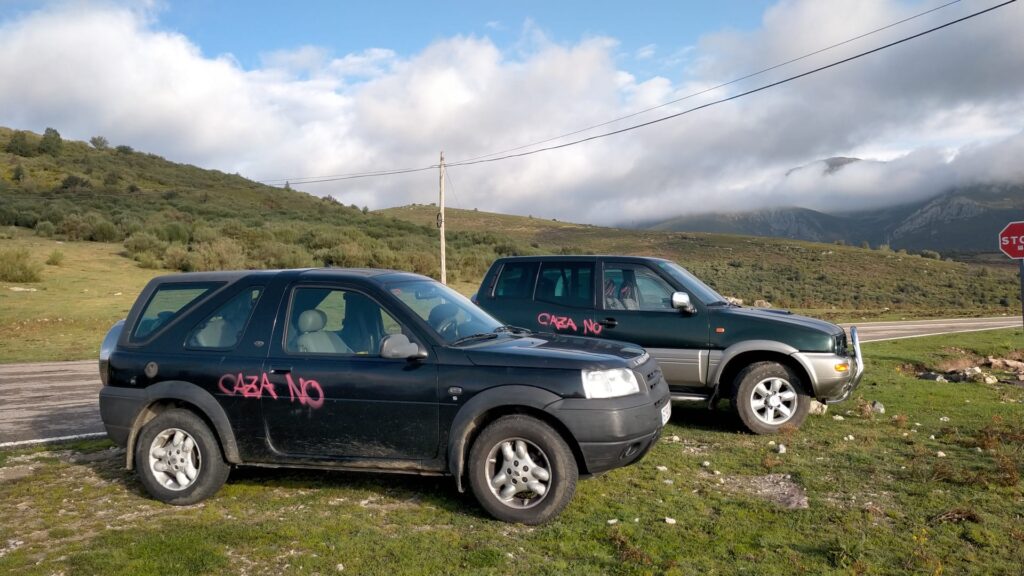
(739, 356)
(188, 396)
(488, 406)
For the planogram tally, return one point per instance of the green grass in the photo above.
(65, 315)
(881, 504)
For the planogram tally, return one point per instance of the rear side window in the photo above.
(223, 328)
(566, 284)
(516, 280)
(166, 304)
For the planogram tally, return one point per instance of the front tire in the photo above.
(768, 395)
(521, 470)
(178, 459)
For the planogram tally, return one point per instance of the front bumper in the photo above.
(832, 386)
(614, 432)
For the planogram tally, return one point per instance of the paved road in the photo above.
(874, 331)
(59, 399)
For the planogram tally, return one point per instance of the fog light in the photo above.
(844, 367)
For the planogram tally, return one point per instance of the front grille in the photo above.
(840, 345)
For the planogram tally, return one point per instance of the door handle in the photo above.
(281, 370)
(609, 322)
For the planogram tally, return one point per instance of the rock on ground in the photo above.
(877, 407)
(817, 408)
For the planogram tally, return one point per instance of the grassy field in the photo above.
(65, 315)
(882, 503)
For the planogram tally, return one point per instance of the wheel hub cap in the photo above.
(519, 474)
(773, 401)
(174, 459)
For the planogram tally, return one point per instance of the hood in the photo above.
(556, 351)
(800, 332)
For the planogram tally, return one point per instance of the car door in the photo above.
(564, 298)
(334, 395)
(636, 306)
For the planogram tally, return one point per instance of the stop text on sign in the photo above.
(1011, 240)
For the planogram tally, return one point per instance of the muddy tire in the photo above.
(521, 470)
(767, 396)
(178, 459)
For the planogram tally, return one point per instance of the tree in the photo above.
(19, 145)
(51, 143)
(19, 173)
(99, 142)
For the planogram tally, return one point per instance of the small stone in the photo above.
(340, 567)
(675, 439)
(613, 521)
(917, 423)
(781, 449)
(978, 449)
(940, 454)
(944, 419)
(932, 437)
(717, 473)
(905, 434)
(705, 464)
(935, 376)
(838, 418)
(669, 481)
(771, 443)
(670, 520)
(989, 379)
(818, 408)
(662, 468)
(877, 407)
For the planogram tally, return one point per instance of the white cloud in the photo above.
(943, 110)
(645, 52)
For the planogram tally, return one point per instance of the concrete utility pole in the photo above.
(440, 224)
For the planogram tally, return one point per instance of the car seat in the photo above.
(314, 339)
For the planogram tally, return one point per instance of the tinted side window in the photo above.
(566, 284)
(516, 280)
(223, 328)
(168, 301)
(337, 321)
(635, 287)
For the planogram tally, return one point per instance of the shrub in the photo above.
(99, 142)
(221, 254)
(51, 142)
(16, 265)
(19, 145)
(931, 254)
(56, 258)
(144, 243)
(105, 231)
(45, 228)
(176, 257)
(124, 149)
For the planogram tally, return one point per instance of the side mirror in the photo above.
(681, 301)
(398, 347)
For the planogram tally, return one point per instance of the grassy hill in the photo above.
(826, 279)
(120, 216)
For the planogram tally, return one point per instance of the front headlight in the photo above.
(609, 383)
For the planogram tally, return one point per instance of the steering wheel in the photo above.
(448, 328)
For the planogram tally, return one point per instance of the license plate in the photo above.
(666, 412)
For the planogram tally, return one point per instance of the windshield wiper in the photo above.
(477, 336)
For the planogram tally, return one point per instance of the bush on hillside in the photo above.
(51, 142)
(221, 254)
(144, 243)
(56, 258)
(45, 228)
(16, 265)
(19, 145)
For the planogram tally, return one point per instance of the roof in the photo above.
(379, 275)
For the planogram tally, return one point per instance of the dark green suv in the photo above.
(769, 363)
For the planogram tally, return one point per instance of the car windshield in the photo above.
(693, 285)
(452, 316)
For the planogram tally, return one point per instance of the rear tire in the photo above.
(767, 396)
(521, 470)
(178, 459)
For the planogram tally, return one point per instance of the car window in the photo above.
(167, 303)
(567, 284)
(337, 321)
(634, 287)
(450, 315)
(516, 280)
(223, 328)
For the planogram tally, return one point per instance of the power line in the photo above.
(355, 175)
(735, 96)
(716, 87)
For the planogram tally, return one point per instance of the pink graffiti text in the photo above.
(566, 323)
(305, 392)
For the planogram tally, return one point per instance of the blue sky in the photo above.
(275, 90)
(249, 29)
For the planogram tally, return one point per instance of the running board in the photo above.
(682, 397)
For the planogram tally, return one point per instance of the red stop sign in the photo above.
(1011, 240)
